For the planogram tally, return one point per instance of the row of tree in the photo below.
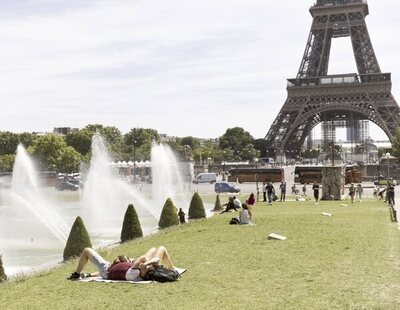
(67, 153)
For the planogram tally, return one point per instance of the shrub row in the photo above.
(79, 239)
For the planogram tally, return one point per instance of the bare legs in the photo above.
(155, 256)
(163, 255)
(84, 258)
(86, 255)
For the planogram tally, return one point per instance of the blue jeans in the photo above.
(270, 197)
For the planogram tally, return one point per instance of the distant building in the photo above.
(63, 131)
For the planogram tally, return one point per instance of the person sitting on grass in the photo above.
(229, 205)
(251, 200)
(122, 268)
(245, 215)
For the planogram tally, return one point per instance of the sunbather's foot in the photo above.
(78, 276)
(74, 276)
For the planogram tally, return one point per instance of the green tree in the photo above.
(46, 149)
(196, 208)
(140, 136)
(3, 276)
(141, 139)
(111, 135)
(261, 146)
(131, 228)
(235, 138)
(8, 142)
(396, 145)
(52, 153)
(80, 140)
(169, 215)
(26, 139)
(7, 163)
(217, 205)
(190, 141)
(249, 152)
(78, 239)
(68, 160)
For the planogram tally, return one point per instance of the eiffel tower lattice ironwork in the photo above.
(315, 97)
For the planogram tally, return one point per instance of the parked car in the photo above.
(226, 187)
(205, 178)
(66, 186)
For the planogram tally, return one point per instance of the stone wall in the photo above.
(333, 180)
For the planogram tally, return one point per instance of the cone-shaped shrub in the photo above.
(196, 209)
(3, 276)
(169, 216)
(217, 206)
(78, 239)
(131, 228)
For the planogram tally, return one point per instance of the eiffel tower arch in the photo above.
(315, 97)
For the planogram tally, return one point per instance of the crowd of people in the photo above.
(270, 196)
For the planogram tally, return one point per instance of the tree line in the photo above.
(67, 153)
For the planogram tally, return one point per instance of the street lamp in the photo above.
(257, 191)
(134, 160)
(387, 155)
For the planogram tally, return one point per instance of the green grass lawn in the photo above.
(347, 261)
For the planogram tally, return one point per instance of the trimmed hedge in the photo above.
(131, 228)
(3, 276)
(78, 240)
(196, 209)
(169, 216)
(217, 205)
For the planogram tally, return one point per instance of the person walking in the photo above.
(181, 215)
(294, 189)
(359, 191)
(390, 199)
(352, 192)
(376, 191)
(305, 189)
(282, 187)
(270, 192)
(315, 188)
(264, 192)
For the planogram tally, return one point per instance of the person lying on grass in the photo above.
(122, 268)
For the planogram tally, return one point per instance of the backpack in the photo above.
(234, 221)
(162, 274)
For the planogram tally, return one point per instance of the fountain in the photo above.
(35, 222)
(29, 225)
(106, 197)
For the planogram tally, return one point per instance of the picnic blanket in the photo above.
(100, 279)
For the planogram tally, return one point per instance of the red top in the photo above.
(118, 271)
(251, 200)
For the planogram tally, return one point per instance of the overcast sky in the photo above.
(182, 67)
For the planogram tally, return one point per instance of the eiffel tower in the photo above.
(315, 97)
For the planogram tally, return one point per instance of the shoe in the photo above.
(74, 276)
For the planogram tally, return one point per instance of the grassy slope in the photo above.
(349, 260)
